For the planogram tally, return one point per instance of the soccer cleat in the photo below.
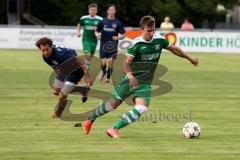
(84, 99)
(101, 75)
(59, 109)
(55, 115)
(87, 126)
(107, 81)
(112, 133)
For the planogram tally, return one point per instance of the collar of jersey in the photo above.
(92, 17)
(143, 40)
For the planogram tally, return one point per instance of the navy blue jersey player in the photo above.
(109, 31)
(69, 69)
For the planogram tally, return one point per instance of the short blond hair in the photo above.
(147, 21)
(92, 5)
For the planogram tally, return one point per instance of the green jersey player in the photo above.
(89, 24)
(146, 50)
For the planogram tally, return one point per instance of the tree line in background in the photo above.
(68, 12)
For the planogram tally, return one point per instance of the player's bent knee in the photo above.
(67, 88)
(56, 91)
(57, 84)
(103, 61)
(141, 108)
(139, 101)
(109, 62)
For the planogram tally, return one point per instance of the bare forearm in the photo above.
(81, 63)
(126, 66)
(128, 70)
(132, 80)
(87, 74)
(177, 51)
(78, 28)
(85, 70)
(180, 53)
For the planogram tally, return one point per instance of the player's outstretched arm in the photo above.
(85, 70)
(179, 52)
(119, 37)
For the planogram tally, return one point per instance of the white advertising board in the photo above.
(196, 41)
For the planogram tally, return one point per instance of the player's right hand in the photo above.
(98, 35)
(133, 81)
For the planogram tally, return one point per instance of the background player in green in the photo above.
(89, 24)
(146, 49)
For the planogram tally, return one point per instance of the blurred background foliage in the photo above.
(68, 12)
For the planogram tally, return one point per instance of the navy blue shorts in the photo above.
(74, 77)
(108, 49)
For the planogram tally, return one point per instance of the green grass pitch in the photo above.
(211, 91)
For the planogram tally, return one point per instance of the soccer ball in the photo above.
(191, 130)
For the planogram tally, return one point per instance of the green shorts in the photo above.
(89, 47)
(124, 90)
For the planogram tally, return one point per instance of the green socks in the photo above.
(127, 118)
(102, 109)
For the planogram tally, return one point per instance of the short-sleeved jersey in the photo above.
(89, 26)
(110, 28)
(59, 56)
(146, 56)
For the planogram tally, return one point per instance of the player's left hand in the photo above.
(194, 61)
(132, 80)
(115, 38)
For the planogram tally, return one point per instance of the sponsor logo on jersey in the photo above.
(150, 56)
(109, 29)
(90, 27)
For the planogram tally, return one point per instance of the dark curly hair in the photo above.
(44, 41)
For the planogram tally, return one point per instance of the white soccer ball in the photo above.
(191, 130)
